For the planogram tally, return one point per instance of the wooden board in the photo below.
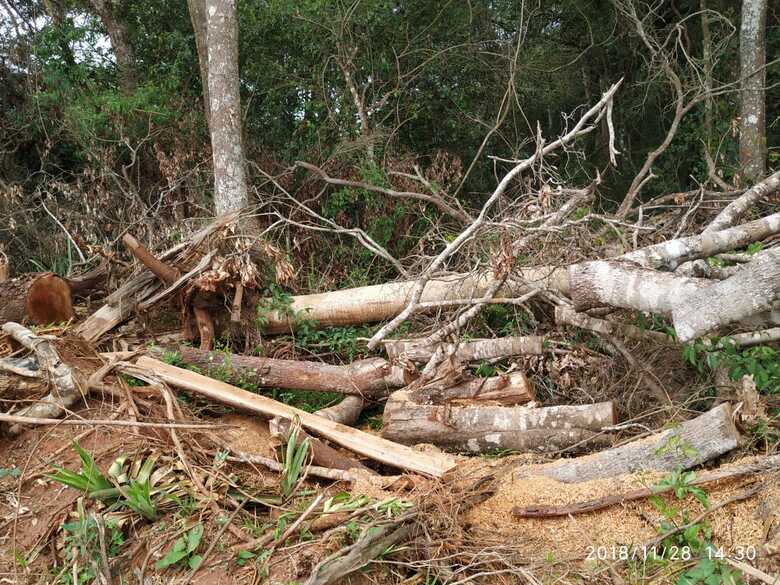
(360, 442)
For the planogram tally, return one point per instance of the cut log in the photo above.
(625, 285)
(482, 428)
(161, 270)
(507, 389)
(65, 382)
(737, 208)
(40, 298)
(90, 281)
(363, 443)
(568, 316)
(370, 377)
(750, 291)
(468, 351)
(693, 442)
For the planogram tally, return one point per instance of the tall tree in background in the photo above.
(230, 191)
(116, 27)
(752, 57)
(197, 10)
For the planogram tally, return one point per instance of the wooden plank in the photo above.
(360, 442)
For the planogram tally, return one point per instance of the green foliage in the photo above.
(760, 361)
(13, 472)
(134, 493)
(295, 455)
(183, 550)
(82, 543)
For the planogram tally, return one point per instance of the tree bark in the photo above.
(752, 61)
(705, 437)
(474, 350)
(625, 285)
(369, 304)
(369, 377)
(507, 389)
(40, 298)
(670, 254)
(230, 189)
(197, 10)
(120, 41)
(750, 291)
(482, 428)
(737, 208)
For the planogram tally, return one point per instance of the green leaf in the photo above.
(171, 558)
(702, 570)
(195, 561)
(194, 536)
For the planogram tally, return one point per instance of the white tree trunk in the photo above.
(752, 58)
(752, 290)
(475, 350)
(230, 191)
(705, 437)
(625, 285)
(737, 208)
(481, 428)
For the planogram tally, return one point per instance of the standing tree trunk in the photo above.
(197, 9)
(230, 191)
(107, 11)
(752, 58)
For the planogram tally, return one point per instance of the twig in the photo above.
(28, 420)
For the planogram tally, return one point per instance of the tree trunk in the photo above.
(373, 376)
(370, 304)
(625, 285)
(483, 428)
(737, 208)
(40, 298)
(468, 351)
(752, 61)
(120, 41)
(752, 290)
(230, 190)
(698, 440)
(197, 10)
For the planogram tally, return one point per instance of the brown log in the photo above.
(770, 463)
(370, 377)
(345, 412)
(474, 350)
(507, 389)
(358, 441)
(482, 428)
(167, 274)
(39, 298)
(693, 442)
(751, 290)
(89, 281)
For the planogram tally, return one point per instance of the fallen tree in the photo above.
(568, 316)
(473, 350)
(481, 428)
(363, 443)
(750, 291)
(695, 441)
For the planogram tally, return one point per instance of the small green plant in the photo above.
(760, 361)
(294, 460)
(278, 302)
(12, 472)
(82, 541)
(134, 493)
(183, 550)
